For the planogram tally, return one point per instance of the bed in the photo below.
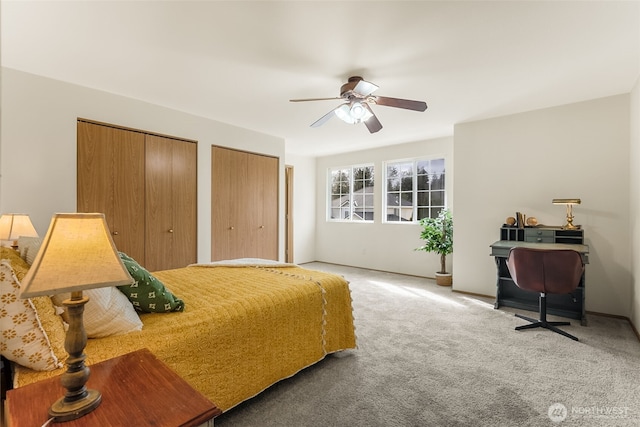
(244, 326)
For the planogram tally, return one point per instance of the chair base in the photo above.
(542, 323)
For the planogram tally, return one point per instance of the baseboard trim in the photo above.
(615, 316)
(369, 269)
(474, 294)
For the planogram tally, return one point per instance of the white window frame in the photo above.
(411, 211)
(350, 203)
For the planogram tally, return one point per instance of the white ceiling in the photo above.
(240, 62)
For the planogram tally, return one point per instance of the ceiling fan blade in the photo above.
(314, 99)
(400, 103)
(322, 120)
(372, 123)
(364, 88)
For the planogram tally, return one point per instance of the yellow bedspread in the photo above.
(243, 328)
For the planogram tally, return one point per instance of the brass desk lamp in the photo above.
(569, 202)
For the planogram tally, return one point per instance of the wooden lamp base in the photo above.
(62, 410)
(78, 400)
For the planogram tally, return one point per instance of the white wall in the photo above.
(634, 198)
(304, 207)
(38, 145)
(520, 163)
(378, 245)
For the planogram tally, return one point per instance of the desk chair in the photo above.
(553, 271)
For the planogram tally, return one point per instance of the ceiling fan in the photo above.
(357, 109)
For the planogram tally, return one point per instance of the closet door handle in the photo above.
(115, 233)
(231, 228)
(262, 226)
(171, 230)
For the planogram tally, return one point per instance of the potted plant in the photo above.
(437, 234)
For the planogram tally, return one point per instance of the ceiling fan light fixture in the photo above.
(344, 113)
(353, 113)
(358, 112)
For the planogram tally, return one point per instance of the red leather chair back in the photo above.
(554, 271)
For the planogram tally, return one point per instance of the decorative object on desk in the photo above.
(569, 202)
(510, 221)
(13, 226)
(532, 221)
(520, 217)
(437, 234)
(77, 254)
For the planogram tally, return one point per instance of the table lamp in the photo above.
(76, 254)
(569, 202)
(14, 225)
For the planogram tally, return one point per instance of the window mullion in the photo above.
(414, 190)
(351, 195)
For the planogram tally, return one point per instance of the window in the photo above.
(414, 189)
(351, 197)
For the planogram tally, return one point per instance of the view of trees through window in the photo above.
(414, 189)
(351, 197)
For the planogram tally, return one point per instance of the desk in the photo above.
(510, 295)
(137, 390)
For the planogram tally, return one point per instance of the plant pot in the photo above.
(444, 279)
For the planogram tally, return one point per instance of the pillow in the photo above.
(108, 312)
(47, 313)
(29, 247)
(14, 259)
(23, 340)
(146, 293)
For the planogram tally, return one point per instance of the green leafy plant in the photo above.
(437, 234)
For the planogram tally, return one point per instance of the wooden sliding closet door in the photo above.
(110, 177)
(244, 207)
(226, 243)
(146, 185)
(262, 213)
(171, 203)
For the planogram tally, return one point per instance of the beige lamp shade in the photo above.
(14, 225)
(76, 254)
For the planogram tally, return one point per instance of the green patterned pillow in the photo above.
(146, 293)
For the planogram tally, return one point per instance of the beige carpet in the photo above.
(428, 356)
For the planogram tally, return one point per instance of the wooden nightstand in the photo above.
(137, 390)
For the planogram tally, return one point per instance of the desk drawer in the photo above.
(536, 235)
(533, 239)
